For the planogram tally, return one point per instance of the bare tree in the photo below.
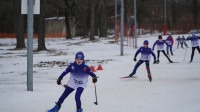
(41, 32)
(92, 19)
(19, 25)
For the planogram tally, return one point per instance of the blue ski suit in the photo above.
(145, 57)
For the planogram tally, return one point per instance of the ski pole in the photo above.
(95, 94)
(63, 85)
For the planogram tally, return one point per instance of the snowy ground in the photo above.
(175, 87)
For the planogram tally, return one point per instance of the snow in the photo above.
(175, 87)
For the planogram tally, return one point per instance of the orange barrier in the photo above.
(13, 35)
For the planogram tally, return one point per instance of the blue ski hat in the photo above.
(193, 33)
(146, 42)
(79, 55)
(169, 34)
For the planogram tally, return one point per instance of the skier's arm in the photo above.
(172, 41)
(138, 51)
(90, 72)
(153, 54)
(166, 43)
(94, 77)
(154, 45)
(65, 72)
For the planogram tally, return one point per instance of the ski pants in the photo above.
(193, 49)
(178, 45)
(158, 56)
(169, 47)
(147, 67)
(183, 43)
(69, 90)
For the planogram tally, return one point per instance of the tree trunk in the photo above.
(19, 31)
(85, 23)
(92, 20)
(195, 11)
(68, 30)
(41, 32)
(103, 20)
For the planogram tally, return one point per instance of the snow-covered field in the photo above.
(175, 87)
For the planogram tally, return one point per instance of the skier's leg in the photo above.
(182, 45)
(158, 56)
(56, 108)
(148, 70)
(167, 56)
(79, 91)
(67, 91)
(171, 49)
(198, 49)
(168, 49)
(177, 45)
(136, 66)
(186, 45)
(193, 49)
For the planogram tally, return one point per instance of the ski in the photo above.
(127, 77)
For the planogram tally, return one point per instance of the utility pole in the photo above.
(122, 27)
(135, 31)
(30, 46)
(165, 17)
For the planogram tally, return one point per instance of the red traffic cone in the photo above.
(92, 69)
(99, 67)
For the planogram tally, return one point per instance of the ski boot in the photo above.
(56, 108)
(191, 61)
(131, 75)
(171, 61)
(150, 79)
(79, 110)
(157, 61)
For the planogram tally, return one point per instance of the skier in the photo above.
(183, 42)
(79, 73)
(145, 57)
(170, 43)
(195, 44)
(160, 48)
(179, 40)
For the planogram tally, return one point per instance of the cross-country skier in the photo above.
(146, 53)
(179, 41)
(195, 44)
(170, 42)
(160, 48)
(79, 73)
(183, 42)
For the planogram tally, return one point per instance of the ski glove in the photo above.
(154, 61)
(94, 79)
(135, 59)
(59, 80)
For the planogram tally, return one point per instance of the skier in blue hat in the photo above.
(195, 44)
(146, 53)
(79, 73)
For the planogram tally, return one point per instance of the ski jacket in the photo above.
(179, 40)
(78, 75)
(183, 40)
(170, 40)
(160, 45)
(194, 41)
(145, 53)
